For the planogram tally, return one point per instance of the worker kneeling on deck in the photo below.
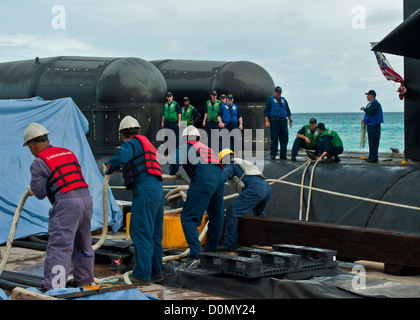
(205, 192)
(142, 173)
(56, 174)
(329, 144)
(306, 138)
(246, 179)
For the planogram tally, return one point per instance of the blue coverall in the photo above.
(255, 196)
(69, 230)
(205, 193)
(146, 222)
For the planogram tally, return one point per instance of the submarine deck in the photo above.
(402, 286)
(380, 284)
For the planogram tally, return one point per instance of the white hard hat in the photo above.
(32, 131)
(190, 131)
(129, 122)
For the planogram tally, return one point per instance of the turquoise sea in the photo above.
(348, 126)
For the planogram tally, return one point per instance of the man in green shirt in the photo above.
(329, 144)
(306, 138)
(171, 118)
(189, 114)
(210, 121)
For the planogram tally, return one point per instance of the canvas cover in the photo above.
(67, 127)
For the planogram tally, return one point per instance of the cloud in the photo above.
(44, 42)
(308, 47)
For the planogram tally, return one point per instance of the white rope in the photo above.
(310, 191)
(349, 196)
(12, 232)
(105, 212)
(308, 163)
(180, 191)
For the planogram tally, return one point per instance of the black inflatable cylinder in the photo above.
(247, 81)
(383, 183)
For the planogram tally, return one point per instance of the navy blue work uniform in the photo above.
(146, 222)
(277, 113)
(255, 196)
(373, 119)
(204, 193)
(230, 117)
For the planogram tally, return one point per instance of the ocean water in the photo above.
(348, 127)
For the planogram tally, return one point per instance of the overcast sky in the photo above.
(317, 51)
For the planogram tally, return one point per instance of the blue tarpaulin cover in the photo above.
(129, 294)
(67, 127)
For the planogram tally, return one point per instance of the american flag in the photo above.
(389, 73)
(386, 68)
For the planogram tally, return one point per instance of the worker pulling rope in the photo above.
(181, 190)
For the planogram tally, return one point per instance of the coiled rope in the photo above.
(363, 137)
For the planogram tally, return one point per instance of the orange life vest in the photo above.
(151, 163)
(206, 154)
(65, 171)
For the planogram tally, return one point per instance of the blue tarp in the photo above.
(129, 294)
(67, 127)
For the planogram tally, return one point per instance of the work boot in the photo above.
(328, 159)
(75, 284)
(225, 249)
(139, 282)
(311, 155)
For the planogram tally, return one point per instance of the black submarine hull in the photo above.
(387, 183)
(107, 89)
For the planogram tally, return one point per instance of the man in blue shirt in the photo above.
(230, 118)
(276, 113)
(205, 192)
(144, 176)
(373, 119)
(255, 195)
